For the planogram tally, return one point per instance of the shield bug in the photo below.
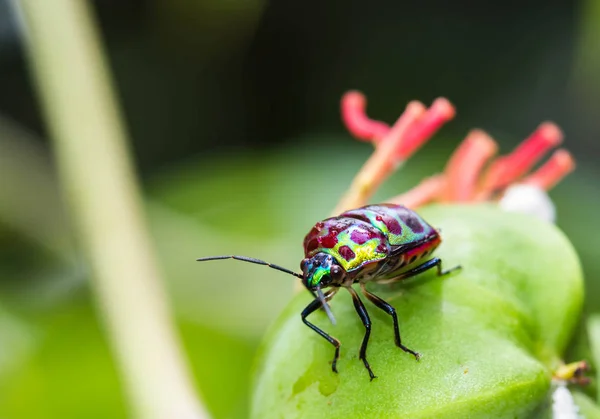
(381, 243)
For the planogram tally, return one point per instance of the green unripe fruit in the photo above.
(490, 335)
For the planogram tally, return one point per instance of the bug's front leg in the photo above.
(364, 317)
(315, 305)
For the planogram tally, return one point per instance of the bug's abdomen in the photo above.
(353, 243)
(406, 259)
(401, 225)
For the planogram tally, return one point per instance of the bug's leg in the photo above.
(314, 305)
(441, 272)
(435, 262)
(392, 312)
(364, 317)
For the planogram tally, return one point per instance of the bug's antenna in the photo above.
(321, 298)
(252, 260)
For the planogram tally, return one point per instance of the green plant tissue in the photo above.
(490, 335)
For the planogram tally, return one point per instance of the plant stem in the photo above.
(99, 184)
(593, 329)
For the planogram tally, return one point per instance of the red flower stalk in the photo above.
(560, 164)
(466, 177)
(465, 165)
(358, 123)
(513, 166)
(440, 112)
(393, 145)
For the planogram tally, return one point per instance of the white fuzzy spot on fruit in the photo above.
(529, 199)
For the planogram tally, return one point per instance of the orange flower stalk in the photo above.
(393, 145)
(560, 164)
(469, 175)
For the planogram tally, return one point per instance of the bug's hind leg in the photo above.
(441, 272)
(379, 302)
(364, 317)
(432, 263)
(313, 306)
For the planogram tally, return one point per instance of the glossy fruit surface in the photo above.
(489, 335)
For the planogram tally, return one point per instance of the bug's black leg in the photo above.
(435, 262)
(314, 305)
(364, 317)
(441, 272)
(392, 312)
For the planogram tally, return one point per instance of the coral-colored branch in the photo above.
(560, 164)
(396, 140)
(440, 112)
(465, 165)
(510, 168)
(427, 191)
(382, 163)
(353, 106)
(462, 180)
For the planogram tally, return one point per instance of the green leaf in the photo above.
(489, 335)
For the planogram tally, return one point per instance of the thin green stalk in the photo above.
(100, 186)
(593, 326)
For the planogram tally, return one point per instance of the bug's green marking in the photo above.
(318, 275)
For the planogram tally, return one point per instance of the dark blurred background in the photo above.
(233, 113)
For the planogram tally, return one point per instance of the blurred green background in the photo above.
(233, 111)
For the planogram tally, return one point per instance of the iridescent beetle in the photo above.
(377, 243)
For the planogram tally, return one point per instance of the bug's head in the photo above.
(321, 271)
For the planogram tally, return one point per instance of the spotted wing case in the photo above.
(369, 234)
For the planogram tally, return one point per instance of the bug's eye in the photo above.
(304, 265)
(336, 272)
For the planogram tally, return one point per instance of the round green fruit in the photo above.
(490, 335)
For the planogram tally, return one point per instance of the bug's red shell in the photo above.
(370, 234)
